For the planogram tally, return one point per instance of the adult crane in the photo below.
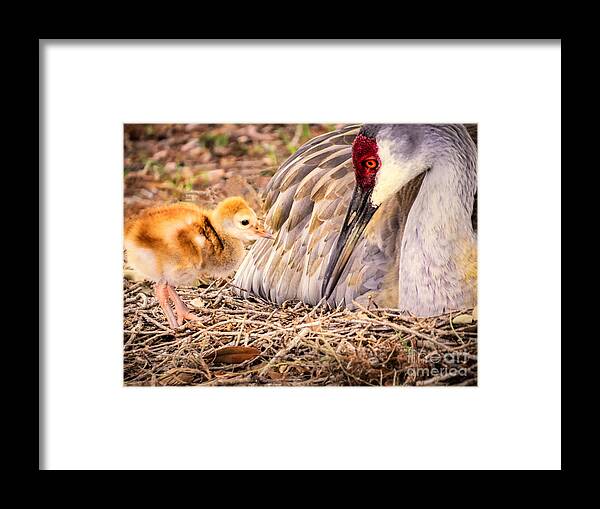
(378, 212)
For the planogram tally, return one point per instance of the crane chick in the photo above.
(174, 244)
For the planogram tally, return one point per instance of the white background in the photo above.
(512, 420)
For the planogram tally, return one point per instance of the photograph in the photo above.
(339, 254)
(328, 251)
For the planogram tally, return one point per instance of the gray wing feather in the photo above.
(305, 205)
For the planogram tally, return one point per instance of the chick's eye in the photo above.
(370, 164)
(245, 222)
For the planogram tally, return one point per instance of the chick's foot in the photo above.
(162, 295)
(182, 311)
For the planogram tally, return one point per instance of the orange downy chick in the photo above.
(174, 244)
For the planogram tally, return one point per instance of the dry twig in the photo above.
(300, 345)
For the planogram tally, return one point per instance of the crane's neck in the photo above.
(439, 246)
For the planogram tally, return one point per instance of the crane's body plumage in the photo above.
(417, 252)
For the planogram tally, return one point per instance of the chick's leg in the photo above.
(162, 295)
(183, 312)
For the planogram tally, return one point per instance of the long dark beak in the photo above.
(358, 216)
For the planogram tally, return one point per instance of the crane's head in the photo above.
(385, 158)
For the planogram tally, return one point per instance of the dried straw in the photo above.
(300, 345)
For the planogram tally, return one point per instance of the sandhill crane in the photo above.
(379, 212)
(175, 244)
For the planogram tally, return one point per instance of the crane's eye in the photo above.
(245, 222)
(370, 164)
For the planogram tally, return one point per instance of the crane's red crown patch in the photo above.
(364, 148)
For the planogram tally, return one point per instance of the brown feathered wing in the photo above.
(306, 202)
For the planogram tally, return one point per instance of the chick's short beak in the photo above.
(261, 232)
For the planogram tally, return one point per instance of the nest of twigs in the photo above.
(294, 344)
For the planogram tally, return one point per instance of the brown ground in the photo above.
(293, 344)
(206, 163)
